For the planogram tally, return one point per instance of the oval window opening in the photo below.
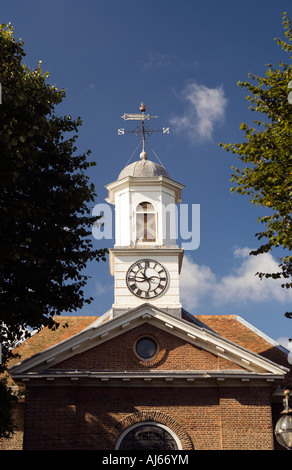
(146, 347)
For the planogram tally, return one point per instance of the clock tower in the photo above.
(145, 260)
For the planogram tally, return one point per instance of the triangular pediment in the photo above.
(247, 364)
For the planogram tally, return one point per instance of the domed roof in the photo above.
(144, 168)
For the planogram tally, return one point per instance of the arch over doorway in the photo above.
(148, 435)
(170, 425)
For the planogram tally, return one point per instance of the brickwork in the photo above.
(174, 354)
(68, 418)
(246, 418)
(93, 417)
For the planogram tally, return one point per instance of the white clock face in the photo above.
(147, 279)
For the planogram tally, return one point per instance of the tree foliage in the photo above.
(45, 198)
(266, 156)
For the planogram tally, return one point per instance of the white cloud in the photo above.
(101, 288)
(157, 59)
(205, 107)
(242, 285)
(195, 282)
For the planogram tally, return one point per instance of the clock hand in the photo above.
(145, 278)
(153, 279)
(139, 279)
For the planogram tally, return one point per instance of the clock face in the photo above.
(147, 279)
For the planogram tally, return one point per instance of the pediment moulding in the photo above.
(251, 364)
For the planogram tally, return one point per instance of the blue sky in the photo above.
(183, 59)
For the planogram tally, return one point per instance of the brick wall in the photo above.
(93, 417)
(68, 418)
(203, 418)
(174, 354)
(246, 417)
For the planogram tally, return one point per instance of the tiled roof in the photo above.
(233, 328)
(229, 327)
(46, 338)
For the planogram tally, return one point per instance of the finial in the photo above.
(143, 155)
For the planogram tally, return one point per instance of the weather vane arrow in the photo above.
(143, 130)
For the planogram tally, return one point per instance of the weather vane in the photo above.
(143, 130)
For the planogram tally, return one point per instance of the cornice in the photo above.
(223, 378)
(97, 334)
(146, 252)
(153, 182)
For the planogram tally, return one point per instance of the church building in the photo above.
(148, 375)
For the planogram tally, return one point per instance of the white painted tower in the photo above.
(146, 260)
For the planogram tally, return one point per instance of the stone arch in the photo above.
(155, 416)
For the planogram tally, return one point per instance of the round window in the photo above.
(146, 347)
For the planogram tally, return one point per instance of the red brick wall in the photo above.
(246, 417)
(68, 418)
(118, 354)
(203, 418)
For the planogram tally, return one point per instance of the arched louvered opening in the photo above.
(145, 223)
